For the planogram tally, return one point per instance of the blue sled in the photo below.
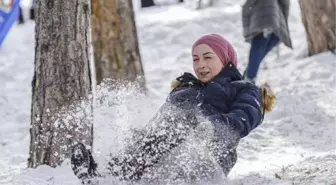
(7, 19)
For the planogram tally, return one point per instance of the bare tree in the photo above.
(115, 41)
(319, 19)
(61, 78)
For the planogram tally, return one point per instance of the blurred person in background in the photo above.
(32, 10)
(265, 25)
(21, 18)
(147, 3)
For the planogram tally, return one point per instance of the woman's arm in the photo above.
(244, 115)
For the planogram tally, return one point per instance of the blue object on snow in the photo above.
(7, 19)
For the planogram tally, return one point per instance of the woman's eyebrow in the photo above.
(195, 55)
(207, 53)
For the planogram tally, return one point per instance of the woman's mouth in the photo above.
(204, 73)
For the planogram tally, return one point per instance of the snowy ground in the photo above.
(296, 144)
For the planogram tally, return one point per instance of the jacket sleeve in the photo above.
(244, 115)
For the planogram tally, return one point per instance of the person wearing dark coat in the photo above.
(147, 3)
(265, 24)
(32, 10)
(21, 17)
(218, 94)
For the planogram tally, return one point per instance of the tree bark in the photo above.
(319, 19)
(115, 41)
(61, 78)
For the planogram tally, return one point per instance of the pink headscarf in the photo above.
(221, 47)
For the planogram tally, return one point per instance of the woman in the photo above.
(218, 94)
(265, 25)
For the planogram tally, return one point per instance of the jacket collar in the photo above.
(228, 73)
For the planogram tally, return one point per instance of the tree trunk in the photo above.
(61, 78)
(115, 42)
(319, 19)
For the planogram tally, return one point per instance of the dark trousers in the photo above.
(165, 132)
(151, 145)
(260, 46)
(155, 143)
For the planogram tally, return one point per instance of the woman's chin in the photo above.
(205, 79)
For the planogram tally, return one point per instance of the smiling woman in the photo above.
(232, 106)
(206, 63)
(210, 54)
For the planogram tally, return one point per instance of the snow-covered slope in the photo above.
(294, 145)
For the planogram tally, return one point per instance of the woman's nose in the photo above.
(202, 63)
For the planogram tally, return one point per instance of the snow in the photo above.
(296, 144)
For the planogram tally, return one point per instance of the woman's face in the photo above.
(206, 63)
